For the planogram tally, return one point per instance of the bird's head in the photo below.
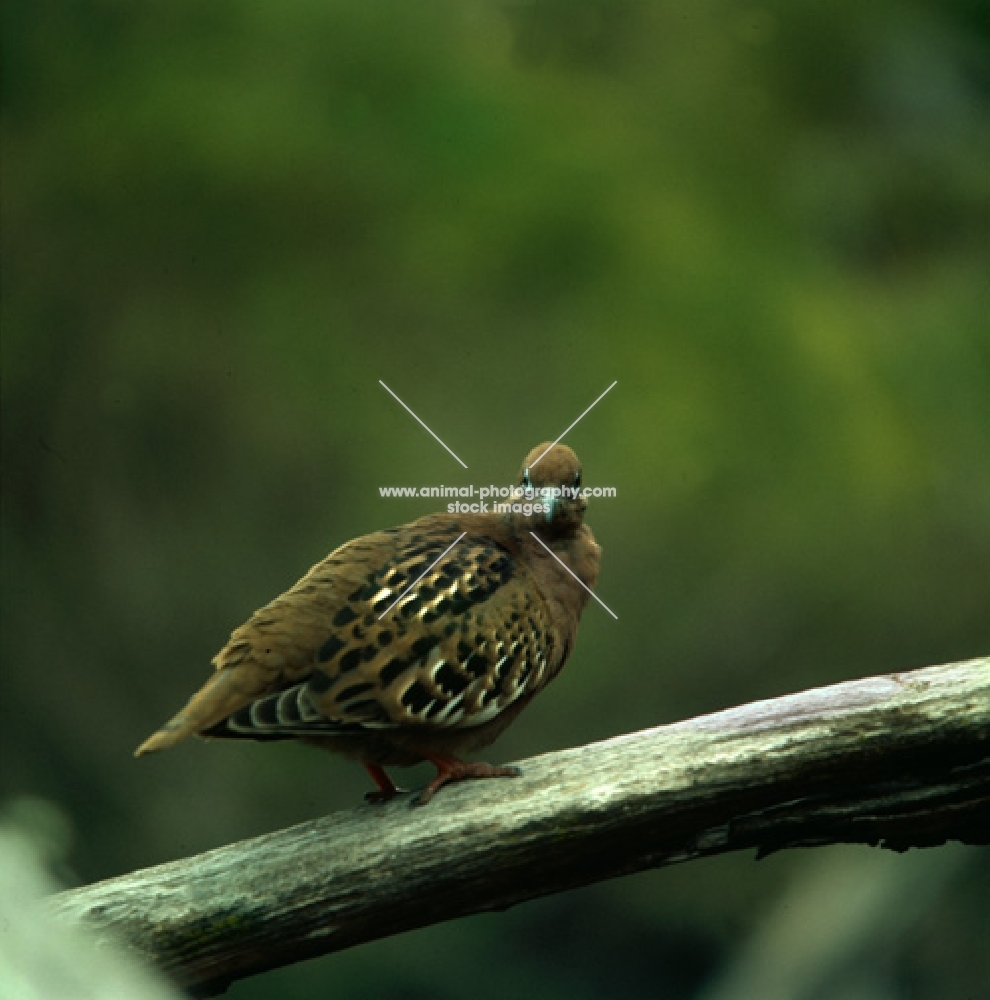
(550, 476)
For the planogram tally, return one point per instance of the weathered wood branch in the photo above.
(898, 761)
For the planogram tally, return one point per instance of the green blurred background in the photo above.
(223, 223)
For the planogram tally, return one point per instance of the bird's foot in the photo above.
(387, 789)
(452, 769)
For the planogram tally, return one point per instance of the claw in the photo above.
(377, 798)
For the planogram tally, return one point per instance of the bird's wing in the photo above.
(414, 642)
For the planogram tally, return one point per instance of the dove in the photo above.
(417, 643)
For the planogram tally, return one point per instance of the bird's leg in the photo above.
(453, 769)
(386, 787)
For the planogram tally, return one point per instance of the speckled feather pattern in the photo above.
(353, 660)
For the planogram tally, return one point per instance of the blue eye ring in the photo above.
(526, 481)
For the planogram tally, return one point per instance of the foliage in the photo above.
(224, 223)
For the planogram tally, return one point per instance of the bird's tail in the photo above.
(221, 695)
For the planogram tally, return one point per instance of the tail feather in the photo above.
(282, 715)
(224, 693)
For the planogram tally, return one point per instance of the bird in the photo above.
(417, 643)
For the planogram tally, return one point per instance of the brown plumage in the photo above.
(441, 673)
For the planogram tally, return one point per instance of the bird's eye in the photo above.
(577, 479)
(526, 481)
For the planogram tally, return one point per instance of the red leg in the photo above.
(452, 769)
(386, 788)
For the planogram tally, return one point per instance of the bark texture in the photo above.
(897, 761)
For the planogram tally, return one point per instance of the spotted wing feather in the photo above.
(455, 649)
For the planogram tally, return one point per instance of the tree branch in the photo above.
(899, 761)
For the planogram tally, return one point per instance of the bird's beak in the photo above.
(550, 504)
